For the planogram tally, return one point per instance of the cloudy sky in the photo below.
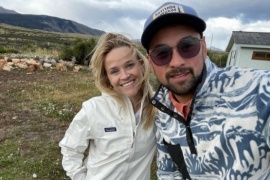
(128, 16)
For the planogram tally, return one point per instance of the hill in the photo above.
(47, 23)
(22, 39)
(7, 11)
(26, 32)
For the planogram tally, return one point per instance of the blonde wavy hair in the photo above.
(106, 43)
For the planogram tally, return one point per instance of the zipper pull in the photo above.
(133, 139)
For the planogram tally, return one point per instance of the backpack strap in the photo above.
(177, 156)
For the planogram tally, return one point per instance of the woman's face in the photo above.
(124, 72)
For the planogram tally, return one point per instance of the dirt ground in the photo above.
(18, 117)
(29, 137)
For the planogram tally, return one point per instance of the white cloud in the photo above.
(128, 16)
(219, 30)
(259, 26)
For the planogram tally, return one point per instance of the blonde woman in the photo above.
(117, 126)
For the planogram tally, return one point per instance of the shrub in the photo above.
(66, 53)
(80, 49)
(3, 50)
(219, 58)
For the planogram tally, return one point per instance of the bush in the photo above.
(80, 49)
(219, 58)
(13, 51)
(4, 50)
(66, 53)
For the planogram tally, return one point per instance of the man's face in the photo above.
(180, 75)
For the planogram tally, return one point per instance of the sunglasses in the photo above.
(187, 47)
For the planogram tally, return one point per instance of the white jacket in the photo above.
(118, 149)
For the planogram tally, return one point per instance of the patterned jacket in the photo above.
(227, 132)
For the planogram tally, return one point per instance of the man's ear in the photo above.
(150, 63)
(204, 47)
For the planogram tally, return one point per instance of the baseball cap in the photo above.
(168, 14)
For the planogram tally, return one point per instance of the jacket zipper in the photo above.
(133, 139)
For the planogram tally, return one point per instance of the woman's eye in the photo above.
(130, 65)
(113, 72)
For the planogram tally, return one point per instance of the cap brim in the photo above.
(170, 19)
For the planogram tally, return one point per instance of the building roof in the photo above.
(252, 38)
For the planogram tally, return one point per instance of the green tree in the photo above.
(219, 58)
(80, 49)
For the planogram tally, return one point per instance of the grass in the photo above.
(33, 40)
(35, 111)
(25, 160)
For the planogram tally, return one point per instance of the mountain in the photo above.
(7, 11)
(44, 22)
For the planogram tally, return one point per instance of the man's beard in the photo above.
(187, 87)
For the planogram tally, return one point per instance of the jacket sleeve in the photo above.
(166, 169)
(263, 105)
(74, 144)
(267, 132)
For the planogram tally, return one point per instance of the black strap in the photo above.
(177, 156)
(190, 140)
(179, 118)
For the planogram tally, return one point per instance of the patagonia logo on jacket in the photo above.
(110, 129)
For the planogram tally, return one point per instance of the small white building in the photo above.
(249, 49)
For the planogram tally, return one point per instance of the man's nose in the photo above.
(177, 60)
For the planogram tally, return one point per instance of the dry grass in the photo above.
(35, 111)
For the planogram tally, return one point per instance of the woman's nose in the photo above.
(125, 74)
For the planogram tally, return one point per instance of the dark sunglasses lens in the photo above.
(189, 47)
(161, 55)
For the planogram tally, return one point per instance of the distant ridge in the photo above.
(44, 22)
(7, 11)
